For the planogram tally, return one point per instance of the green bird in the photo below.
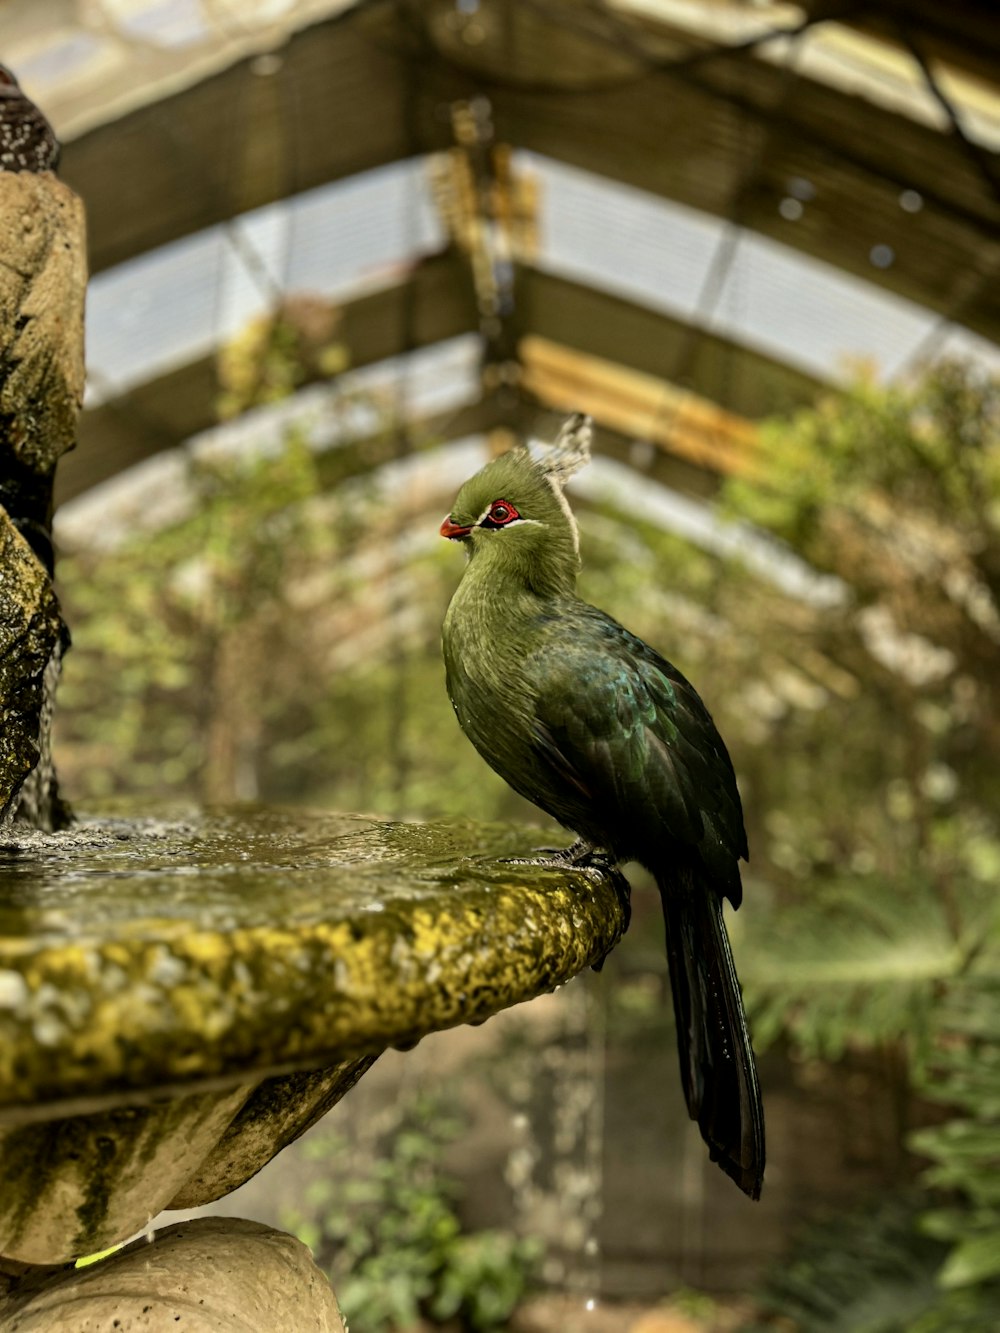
(596, 728)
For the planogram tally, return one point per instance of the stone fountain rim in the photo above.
(456, 952)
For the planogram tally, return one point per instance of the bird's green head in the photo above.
(513, 518)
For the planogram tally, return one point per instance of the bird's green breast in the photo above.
(592, 725)
(490, 628)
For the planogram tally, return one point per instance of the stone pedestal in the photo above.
(204, 1276)
(182, 997)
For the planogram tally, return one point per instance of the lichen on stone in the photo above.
(180, 998)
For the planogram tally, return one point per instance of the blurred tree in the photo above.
(877, 762)
(249, 649)
(277, 353)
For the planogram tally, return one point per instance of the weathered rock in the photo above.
(179, 999)
(42, 285)
(212, 1275)
(278, 1111)
(104, 1175)
(32, 638)
(43, 279)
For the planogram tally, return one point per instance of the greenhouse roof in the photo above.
(729, 198)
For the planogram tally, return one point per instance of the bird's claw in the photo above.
(549, 856)
(579, 853)
(592, 858)
(579, 856)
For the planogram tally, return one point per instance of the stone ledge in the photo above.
(180, 998)
(147, 957)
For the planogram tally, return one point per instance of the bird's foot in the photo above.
(551, 856)
(577, 854)
(581, 855)
(593, 858)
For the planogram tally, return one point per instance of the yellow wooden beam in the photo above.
(639, 405)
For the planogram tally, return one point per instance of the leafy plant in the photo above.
(386, 1229)
(263, 645)
(963, 1072)
(881, 843)
(867, 1271)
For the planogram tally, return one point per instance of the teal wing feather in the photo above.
(624, 752)
(631, 737)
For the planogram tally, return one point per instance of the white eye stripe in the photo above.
(511, 523)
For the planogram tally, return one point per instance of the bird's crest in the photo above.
(570, 451)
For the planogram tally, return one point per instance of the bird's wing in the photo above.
(630, 733)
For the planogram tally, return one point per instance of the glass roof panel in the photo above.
(353, 231)
(598, 232)
(814, 316)
(174, 305)
(152, 314)
(773, 298)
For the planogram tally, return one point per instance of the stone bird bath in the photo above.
(182, 997)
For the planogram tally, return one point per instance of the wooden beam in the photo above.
(738, 378)
(638, 405)
(963, 33)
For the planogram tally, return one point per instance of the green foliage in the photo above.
(279, 352)
(929, 448)
(386, 1229)
(864, 1272)
(873, 1270)
(263, 645)
(173, 623)
(963, 1073)
(881, 845)
(839, 982)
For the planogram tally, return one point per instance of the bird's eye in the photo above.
(500, 513)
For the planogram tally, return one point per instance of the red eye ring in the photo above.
(501, 512)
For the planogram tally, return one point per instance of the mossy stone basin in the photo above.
(181, 997)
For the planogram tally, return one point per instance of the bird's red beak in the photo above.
(449, 529)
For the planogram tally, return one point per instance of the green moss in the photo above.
(160, 978)
(147, 955)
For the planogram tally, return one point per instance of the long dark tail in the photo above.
(718, 1069)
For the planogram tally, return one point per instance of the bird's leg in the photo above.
(583, 855)
(567, 855)
(591, 858)
(580, 854)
